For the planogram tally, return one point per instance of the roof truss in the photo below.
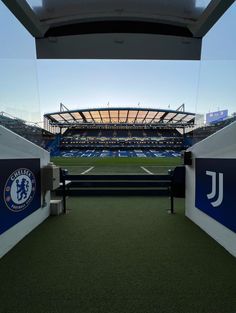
(129, 116)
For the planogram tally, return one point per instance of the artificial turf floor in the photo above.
(121, 255)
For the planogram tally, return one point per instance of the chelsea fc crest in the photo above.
(19, 189)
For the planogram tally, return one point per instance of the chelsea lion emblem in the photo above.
(19, 189)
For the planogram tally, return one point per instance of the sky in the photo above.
(29, 87)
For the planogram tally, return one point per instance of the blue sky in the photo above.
(38, 86)
(121, 83)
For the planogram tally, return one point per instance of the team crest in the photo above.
(19, 189)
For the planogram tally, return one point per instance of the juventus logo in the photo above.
(212, 195)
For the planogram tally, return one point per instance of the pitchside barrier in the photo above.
(169, 185)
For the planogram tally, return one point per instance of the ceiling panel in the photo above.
(95, 115)
(141, 115)
(170, 116)
(133, 113)
(55, 11)
(87, 116)
(76, 115)
(57, 117)
(118, 29)
(189, 118)
(67, 116)
(179, 116)
(151, 114)
(114, 114)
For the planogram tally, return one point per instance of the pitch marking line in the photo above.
(66, 166)
(161, 166)
(88, 170)
(147, 171)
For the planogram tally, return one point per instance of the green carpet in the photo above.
(118, 255)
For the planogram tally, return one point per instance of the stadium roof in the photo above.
(120, 116)
(118, 29)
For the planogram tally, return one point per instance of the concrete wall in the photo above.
(13, 146)
(219, 145)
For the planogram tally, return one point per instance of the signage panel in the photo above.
(215, 117)
(20, 190)
(215, 192)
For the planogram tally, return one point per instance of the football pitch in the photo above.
(96, 166)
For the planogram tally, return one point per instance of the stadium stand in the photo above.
(122, 132)
(33, 133)
(119, 136)
(203, 132)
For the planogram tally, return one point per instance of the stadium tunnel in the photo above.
(118, 30)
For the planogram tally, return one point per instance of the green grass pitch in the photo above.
(117, 165)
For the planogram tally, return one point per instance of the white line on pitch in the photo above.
(161, 166)
(89, 169)
(142, 167)
(76, 166)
